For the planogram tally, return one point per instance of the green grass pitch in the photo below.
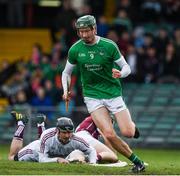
(161, 162)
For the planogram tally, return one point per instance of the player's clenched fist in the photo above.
(116, 73)
(66, 96)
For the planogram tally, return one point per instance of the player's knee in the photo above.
(11, 157)
(114, 158)
(128, 132)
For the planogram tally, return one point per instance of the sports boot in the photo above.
(40, 118)
(138, 167)
(20, 117)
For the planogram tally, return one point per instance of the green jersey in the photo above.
(95, 63)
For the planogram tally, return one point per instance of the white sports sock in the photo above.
(41, 124)
(20, 123)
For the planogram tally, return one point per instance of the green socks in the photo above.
(134, 158)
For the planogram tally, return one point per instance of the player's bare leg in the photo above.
(17, 141)
(104, 153)
(16, 145)
(126, 125)
(103, 122)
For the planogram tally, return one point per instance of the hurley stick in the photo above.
(67, 100)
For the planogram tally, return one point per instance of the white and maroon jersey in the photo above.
(88, 125)
(51, 148)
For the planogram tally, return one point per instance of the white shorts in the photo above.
(30, 152)
(87, 137)
(114, 105)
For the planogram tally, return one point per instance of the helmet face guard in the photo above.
(85, 21)
(66, 128)
(65, 124)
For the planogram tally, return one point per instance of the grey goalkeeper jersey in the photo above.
(51, 148)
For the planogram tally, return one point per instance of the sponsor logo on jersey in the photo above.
(93, 67)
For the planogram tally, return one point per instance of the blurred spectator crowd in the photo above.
(147, 33)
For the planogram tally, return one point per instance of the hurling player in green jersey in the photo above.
(96, 56)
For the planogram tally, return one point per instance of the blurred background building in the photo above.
(35, 36)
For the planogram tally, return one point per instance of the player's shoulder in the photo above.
(107, 41)
(79, 140)
(88, 120)
(48, 133)
(89, 117)
(76, 45)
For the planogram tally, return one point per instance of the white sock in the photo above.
(20, 123)
(41, 124)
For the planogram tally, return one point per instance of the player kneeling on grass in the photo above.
(55, 145)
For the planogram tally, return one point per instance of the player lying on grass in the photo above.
(55, 145)
(61, 145)
(87, 130)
